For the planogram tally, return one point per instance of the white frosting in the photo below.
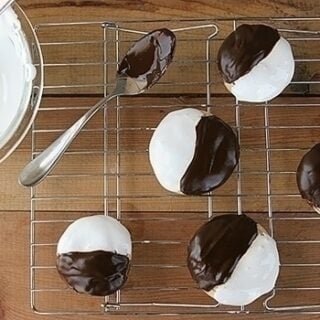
(16, 74)
(268, 78)
(96, 233)
(172, 146)
(254, 275)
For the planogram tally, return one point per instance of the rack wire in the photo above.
(107, 171)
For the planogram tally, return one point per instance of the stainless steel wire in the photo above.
(51, 211)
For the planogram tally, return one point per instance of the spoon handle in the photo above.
(37, 169)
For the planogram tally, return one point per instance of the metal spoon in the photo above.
(144, 64)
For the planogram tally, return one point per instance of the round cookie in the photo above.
(256, 63)
(93, 255)
(233, 259)
(308, 177)
(193, 152)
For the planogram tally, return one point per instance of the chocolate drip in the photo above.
(308, 176)
(148, 59)
(215, 157)
(217, 246)
(244, 48)
(98, 273)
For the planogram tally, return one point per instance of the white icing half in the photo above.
(268, 78)
(16, 74)
(172, 146)
(254, 275)
(96, 233)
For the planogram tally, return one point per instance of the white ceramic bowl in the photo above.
(21, 78)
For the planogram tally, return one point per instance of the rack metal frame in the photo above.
(115, 305)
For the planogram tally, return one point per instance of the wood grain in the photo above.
(137, 177)
(44, 11)
(14, 293)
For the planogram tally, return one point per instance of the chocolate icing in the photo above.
(98, 273)
(215, 157)
(244, 48)
(148, 58)
(217, 246)
(308, 176)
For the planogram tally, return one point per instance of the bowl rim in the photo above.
(36, 106)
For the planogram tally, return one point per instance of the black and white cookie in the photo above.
(233, 259)
(308, 177)
(192, 152)
(93, 255)
(256, 63)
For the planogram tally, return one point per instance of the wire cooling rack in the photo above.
(106, 170)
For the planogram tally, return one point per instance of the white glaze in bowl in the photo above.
(21, 81)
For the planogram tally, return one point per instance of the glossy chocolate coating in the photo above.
(98, 273)
(215, 157)
(217, 246)
(308, 176)
(148, 59)
(244, 48)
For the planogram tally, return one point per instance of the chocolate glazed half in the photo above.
(215, 157)
(244, 48)
(217, 246)
(308, 176)
(148, 59)
(98, 273)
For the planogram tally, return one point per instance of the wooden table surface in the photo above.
(14, 199)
